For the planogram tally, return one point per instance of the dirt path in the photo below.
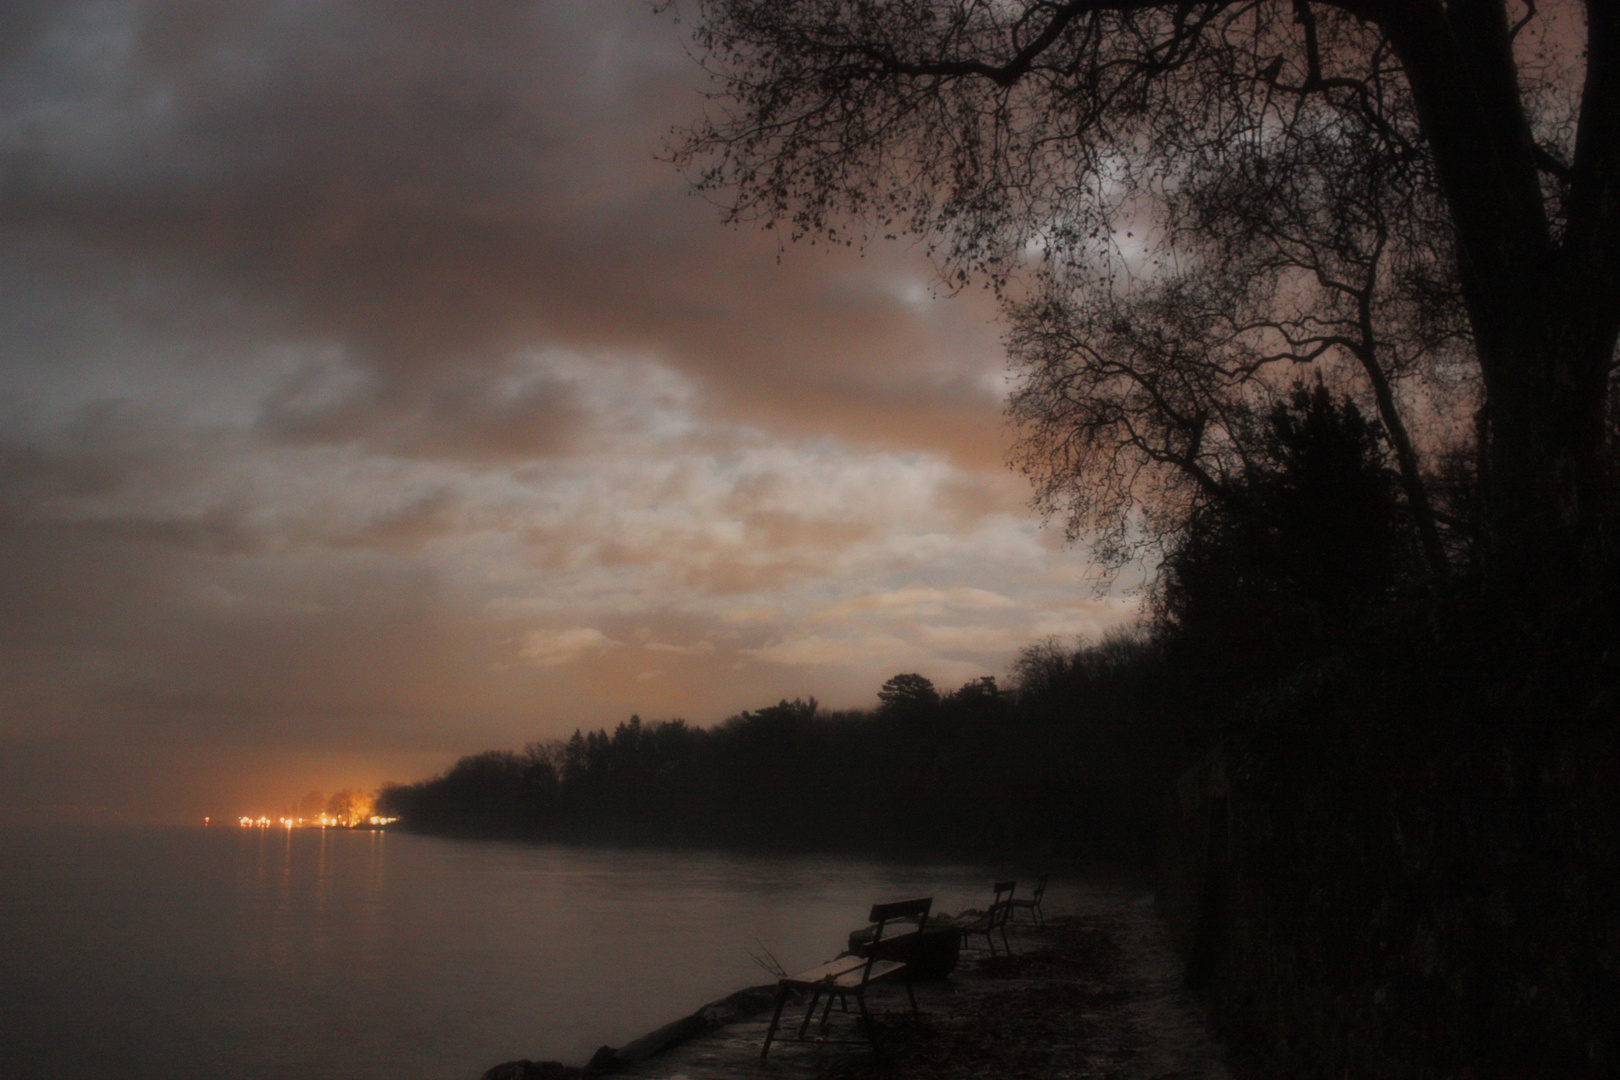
(1095, 995)
(1160, 1023)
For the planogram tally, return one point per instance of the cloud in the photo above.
(973, 639)
(697, 648)
(475, 417)
(429, 204)
(418, 520)
(367, 385)
(1086, 618)
(917, 601)
(816, 650)
(554, 648)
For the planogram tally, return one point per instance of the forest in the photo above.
(976, 770)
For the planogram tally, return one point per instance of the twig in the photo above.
(768, 961)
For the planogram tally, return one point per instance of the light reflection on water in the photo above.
(270, 954)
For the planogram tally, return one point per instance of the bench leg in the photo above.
(776, 1016)
(826, 1010)
(810, 1013)
(866, 1017)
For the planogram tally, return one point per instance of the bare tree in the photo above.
(1008, 131)
(1152, 387)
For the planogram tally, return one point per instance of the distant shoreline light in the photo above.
(324, 821)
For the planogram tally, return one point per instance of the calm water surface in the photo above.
(274, 955)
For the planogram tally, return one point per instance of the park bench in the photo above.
(849, 976)
(995, 919)
(1033, 904)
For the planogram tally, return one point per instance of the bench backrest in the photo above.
(883, 914)
(1001, 908)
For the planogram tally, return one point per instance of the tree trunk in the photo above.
(1545, 311)
(1546, 387)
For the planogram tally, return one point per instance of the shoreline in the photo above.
(738, 1005)
(1098, 993)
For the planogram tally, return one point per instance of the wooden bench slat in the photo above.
(832, 969)
(880, 968)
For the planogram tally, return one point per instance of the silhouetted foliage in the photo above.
(1304, 547)
(907, 695)
(976, 696)
(1075, 771)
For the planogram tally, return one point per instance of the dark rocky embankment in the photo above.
(609, 1059)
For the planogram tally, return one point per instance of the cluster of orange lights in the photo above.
(324, 821)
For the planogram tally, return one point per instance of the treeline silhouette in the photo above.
(1068, 763)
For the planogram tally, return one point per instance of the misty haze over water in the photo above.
(275, 954)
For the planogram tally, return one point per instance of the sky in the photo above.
(374, 392)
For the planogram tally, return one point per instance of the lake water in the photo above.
(269, 954)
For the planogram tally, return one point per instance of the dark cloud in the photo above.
(371, 391)
(453, 415)
(435, 184)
